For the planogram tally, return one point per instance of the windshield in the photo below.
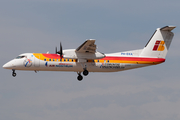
(19, 57)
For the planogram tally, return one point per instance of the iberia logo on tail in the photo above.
(159, 46)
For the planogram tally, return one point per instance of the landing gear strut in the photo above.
(13, 73)
(85, 72)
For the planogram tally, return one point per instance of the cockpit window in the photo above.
(19, 57)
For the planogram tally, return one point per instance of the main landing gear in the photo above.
(85, 73)
(13, 73)
(80, 77)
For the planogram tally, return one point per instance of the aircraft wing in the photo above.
(87, 47)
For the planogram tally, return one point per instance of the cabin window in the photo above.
(61, 60)
(53, 59)
(19, 57)
(45, 59)
(93, 61)
(68, 60)
(57, 60)
(64, 60)
(98, 61)
(108, 61)
(72, 60)
(49, 59)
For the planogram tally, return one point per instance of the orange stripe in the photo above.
(132, 60)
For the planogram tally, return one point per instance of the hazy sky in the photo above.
(151, 93)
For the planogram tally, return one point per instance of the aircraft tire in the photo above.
(14, 74)
(85, 72)
(80, 77)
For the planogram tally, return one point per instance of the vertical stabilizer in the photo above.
(159, 43)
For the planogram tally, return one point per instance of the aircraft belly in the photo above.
(113, 67)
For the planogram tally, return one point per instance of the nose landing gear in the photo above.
(13, 73)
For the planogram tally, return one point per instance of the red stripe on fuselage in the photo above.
(51, 56)
(135, 59)
(56, 56)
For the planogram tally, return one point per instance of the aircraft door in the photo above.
(36, 61)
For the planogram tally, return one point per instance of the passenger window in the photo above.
(64, 60)
(108, 61)
(44, 59)
(61, 60)
(72, 60)
(98, 61)
(49, 59)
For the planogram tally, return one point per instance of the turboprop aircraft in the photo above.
(87, 59)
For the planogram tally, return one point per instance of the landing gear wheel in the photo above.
(85, 72)
(14, 74)
(80, 77)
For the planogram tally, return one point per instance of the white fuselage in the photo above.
(32, 63)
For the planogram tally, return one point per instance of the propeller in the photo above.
(59, 52)
(56, 51)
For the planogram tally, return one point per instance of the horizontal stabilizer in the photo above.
(169, 28)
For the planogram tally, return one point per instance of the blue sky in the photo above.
(39, 25)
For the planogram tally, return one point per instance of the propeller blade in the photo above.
(61, 51)
(56, 50)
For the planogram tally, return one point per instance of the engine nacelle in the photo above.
(72, 54)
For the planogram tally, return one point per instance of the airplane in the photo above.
(87, 59)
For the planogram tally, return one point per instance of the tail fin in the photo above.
(159, 43)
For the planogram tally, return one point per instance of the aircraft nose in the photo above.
(8, 65)
(4, 66)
